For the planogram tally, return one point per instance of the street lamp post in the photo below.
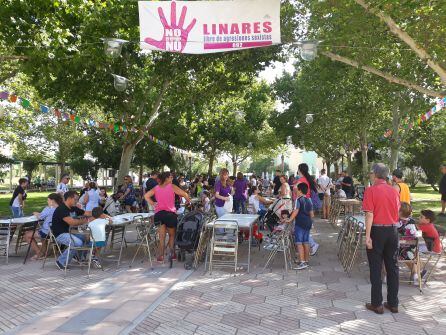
(283, 162)
(190, 165)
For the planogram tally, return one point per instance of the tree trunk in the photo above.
(364, 154)
(349, 163)
(395, 139)
(128, 148)
(211, 162)
(328, 167)
(141, 171)
(234, 168)
(336, 169)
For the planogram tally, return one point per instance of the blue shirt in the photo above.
(303, 218)
(47, 217)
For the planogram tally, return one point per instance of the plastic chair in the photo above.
(224, 243)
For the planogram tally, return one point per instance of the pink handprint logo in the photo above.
(175, 36)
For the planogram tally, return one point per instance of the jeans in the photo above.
(17, 212)
(220, 211)
(385, 248)
(76, 241)
(239, 206)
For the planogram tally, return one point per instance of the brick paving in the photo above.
(320, 300)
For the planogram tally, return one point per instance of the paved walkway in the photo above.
(321, 300)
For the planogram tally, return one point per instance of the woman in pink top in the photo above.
(165, 211)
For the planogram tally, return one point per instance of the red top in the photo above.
(430, 231)
(304, 180)
(383, 201)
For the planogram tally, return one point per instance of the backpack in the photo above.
(317, 204)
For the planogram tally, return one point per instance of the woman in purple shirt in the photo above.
(222, 192)
(240, 186)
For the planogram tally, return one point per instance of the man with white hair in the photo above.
(381, 205)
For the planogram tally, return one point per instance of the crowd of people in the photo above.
(388, 213)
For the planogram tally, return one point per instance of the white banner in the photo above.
(199, 27)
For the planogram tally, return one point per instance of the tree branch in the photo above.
(156, 107)
(406, 38)
(5, 58)
(390, 78)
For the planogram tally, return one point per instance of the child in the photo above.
(54, 200)
(430, 233)
(302, 214)
(97, 228)
(407, 230)
(206, 201)
(340, 193)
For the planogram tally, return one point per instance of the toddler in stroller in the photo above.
(273, 215)
(277, 229)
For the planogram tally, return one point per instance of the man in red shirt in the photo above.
(381, 205)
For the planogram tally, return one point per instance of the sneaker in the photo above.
(160, 259)
(314, 249)
(174, 256)
(301, 266)
(96, 263)
(60, 266)
(415, 279)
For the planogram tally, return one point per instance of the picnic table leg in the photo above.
(122, 244)
(249, 247)
(29, 244)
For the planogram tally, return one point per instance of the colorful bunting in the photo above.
(441, 103)
(116, 127)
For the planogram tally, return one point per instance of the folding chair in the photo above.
(412, 245)
(146, 238)
(203, 242)
(22, 230)
(353, 246)
(224, 243)
(87, 246)
(283, 243)
(335, 211)
(6, 232)
(51, 242)
(433, 257)
(344, 235)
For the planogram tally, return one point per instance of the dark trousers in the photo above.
(385, 248)
(239, 206)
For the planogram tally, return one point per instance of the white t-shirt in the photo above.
(253, 182)
(62, 188)
(97, 227)
(324, 184)
(254, 203)
(341, 194)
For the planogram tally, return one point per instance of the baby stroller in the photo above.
(188, 236)
(272, 217)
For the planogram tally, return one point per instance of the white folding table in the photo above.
(20, 222)
(244, 221)
(123, 220)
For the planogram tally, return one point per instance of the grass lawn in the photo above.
(35, 202)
